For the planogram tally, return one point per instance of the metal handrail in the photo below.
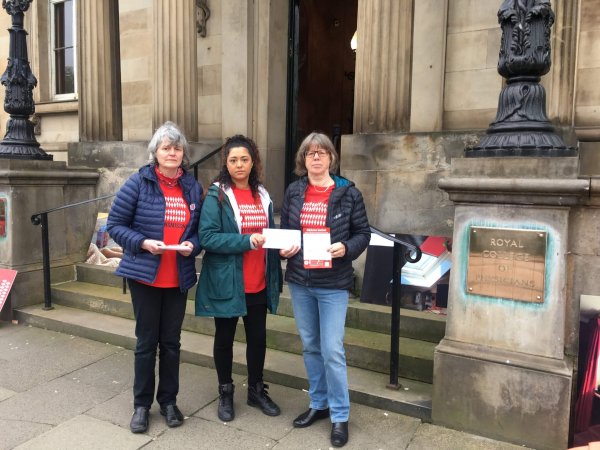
(411, 254)
(195, 165)
(41, 218)
(395, 240)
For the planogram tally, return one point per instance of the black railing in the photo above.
(403, 253)
(41, 218)
(195, 165)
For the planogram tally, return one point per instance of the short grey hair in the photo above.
(171, 132)
(321, 141)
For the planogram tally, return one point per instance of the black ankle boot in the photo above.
(259, 397)
(225, 410)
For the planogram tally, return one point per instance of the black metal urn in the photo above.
(521, 127)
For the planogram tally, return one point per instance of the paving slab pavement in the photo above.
(59, 391)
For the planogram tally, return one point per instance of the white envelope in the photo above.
(174, 247)
(281, 239)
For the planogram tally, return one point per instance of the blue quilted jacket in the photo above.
(138, 213)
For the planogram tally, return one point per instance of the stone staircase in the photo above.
(95, 307)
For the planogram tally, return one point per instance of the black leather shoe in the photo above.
(139, 420)
(172, 415)
(259, 398)
(339, 434)
(307, 418)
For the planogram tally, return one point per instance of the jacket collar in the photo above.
(147, 172)
(337, 179)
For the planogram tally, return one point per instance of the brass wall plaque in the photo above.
(507, 263)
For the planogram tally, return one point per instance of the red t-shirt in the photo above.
(177, 217)
(314, 209)
(254, 219)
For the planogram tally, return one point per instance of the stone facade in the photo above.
(426, 87)
(441, 77)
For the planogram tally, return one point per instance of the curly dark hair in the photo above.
(255, 178)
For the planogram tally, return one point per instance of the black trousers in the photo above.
(256, 344)
(159, 315)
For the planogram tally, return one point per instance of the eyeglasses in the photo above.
(313, 153)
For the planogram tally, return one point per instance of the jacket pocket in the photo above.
(220, 279)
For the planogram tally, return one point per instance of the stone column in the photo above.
(560, 82)
(428, 65)
(175, 67)
(270, 79)
(383, 61)
(99, 68)
(237, 17)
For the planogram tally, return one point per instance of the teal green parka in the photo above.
(220, 291)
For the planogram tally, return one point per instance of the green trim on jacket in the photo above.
(220, 291)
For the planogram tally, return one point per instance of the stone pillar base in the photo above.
(30, 187)
(504, 369)
(504, 395)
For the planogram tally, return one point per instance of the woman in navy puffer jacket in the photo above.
(322, 201)
(155, 219)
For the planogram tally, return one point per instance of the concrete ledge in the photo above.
(525, 191)
(366, 387)
(364, 349)
(366, 316)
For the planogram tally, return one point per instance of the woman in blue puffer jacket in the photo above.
(155, 219)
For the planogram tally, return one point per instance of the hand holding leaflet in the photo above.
(317, 241)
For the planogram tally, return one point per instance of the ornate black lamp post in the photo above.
(521, 127)
(19, 141)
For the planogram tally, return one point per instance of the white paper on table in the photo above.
(281, 239)
(316, 245)
(175, 247)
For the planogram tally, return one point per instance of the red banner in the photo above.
(7, 278)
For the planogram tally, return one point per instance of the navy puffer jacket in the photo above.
(138, 213)
(347, 222)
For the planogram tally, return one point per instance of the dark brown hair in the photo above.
(255, 178)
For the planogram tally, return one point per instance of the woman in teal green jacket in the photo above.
(239, 278)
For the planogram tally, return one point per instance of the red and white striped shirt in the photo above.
(314, 209)
(254, 219)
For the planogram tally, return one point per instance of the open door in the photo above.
(321, 65)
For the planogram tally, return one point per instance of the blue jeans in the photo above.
(320, 317)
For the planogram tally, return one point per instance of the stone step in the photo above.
(413, 398)
(420, 325)
(364, 349)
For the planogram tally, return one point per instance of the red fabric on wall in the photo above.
(583, 408)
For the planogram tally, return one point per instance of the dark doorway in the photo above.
(320, 72)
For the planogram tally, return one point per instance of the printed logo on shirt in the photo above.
(253, 218)
(313, 214)
(175, 212)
